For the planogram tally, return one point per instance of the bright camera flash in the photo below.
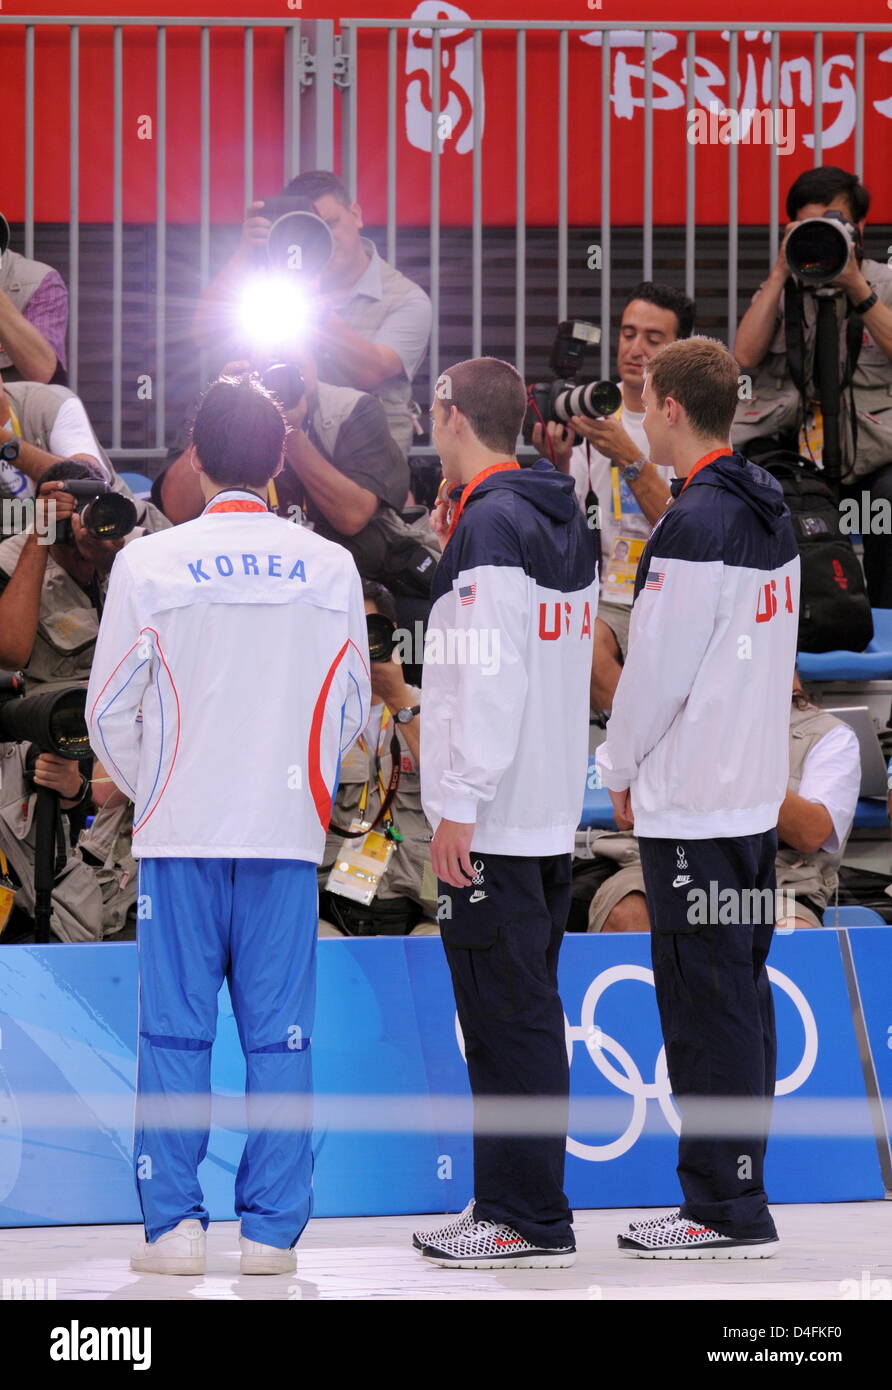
(274, 311)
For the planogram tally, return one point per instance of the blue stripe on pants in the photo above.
(252, 922)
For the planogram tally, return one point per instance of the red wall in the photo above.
(52, 136)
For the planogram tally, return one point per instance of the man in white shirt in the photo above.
(612, 463)
(813, 827)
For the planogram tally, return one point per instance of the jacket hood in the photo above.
(541, 484)
(734, 473)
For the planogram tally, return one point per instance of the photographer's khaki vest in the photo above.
(19, 278)
(776, 405)
(811, 876)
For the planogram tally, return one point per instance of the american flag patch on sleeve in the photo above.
(655, 579)
(467, 594)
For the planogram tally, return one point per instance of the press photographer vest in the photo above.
(811, 876)
(68, 625)
(387, 542)
(776, 406)
(19, 277)
(365, 316)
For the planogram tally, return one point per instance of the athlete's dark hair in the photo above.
(667, 297)
(822, 185)
(492, 397)
(239, 432)
(318, 183)
(702, 376)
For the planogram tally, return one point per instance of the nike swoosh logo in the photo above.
(477, 896)
(681, 880)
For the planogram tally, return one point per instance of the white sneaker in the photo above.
(675, 1237)
(258, 1258)
(486, 1245)
(455, 1226)
(180, 1251)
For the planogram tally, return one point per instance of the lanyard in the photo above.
(382, 791)
(469, 488)
(706, 459)
(387, 794)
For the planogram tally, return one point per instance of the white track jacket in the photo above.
(230, 674)
(507, 666)
(700, 723)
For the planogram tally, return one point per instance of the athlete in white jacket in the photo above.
(696, 755)
(230, 676)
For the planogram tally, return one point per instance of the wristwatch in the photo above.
(632, 471)
(407, 714)
(866, 304)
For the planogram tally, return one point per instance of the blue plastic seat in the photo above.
(852, 916)
(873, 664)
(871, 813)
(597, 808)
(138, 483)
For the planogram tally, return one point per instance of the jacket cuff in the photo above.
(614, 781)
(459, 808)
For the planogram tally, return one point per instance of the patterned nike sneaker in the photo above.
(651, 1221)
(486, 1245)
(456, 1226)
(677, 1237)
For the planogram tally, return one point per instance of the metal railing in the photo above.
(323, 80)
(562, 30)
(291, 138)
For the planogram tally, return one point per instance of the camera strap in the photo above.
(388, 794)
(794, 335)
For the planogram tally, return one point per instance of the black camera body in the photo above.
(566, 395)
(107, 515)
(818, 248)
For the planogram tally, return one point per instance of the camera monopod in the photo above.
(52, 721)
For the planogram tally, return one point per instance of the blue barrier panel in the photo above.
(872, 955)
(386, 1026)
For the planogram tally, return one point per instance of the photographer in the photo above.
(611, 469)
(405, 900)
(372, 324)
(51, 599)
(51, 595)
(33, 317)
(788, 412)
(343, 473)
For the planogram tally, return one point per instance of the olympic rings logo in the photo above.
(630, 1081)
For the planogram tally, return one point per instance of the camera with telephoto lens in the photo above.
(285, 381)
(105, 514)
(382, 637)
(52, 719)
(299, 239)
(566, 395)
(818, 248)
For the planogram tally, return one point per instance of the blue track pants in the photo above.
(252, 922)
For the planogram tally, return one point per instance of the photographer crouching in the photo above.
(53, 579)
(382, 883)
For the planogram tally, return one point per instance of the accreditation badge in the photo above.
(7, 893)
(360, 865)
(811, 434)
(618, 584)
